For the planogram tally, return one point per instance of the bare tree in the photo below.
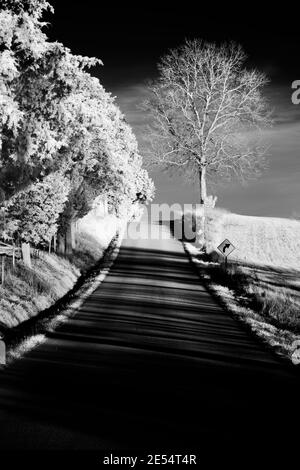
(207, 113)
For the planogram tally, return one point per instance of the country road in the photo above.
(152, 362)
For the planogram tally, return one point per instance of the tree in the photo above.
(37, 81)
(101, 159)
(63, 140)
(35, 211)
(207, 113)
(133, 189)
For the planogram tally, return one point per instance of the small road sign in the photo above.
(2, 353)
(226, 247)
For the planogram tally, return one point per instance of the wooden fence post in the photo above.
(26, 254)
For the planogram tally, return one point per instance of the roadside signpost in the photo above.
(226, 248)
(2, 352)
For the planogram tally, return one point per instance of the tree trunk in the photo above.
(26, 254)
(203, 194)
(14, 257)
(202, 182)
(61, 245)
(70, 238)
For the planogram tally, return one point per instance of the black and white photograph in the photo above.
(149, 235)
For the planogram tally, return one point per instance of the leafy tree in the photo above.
(63, 140)
(37, 82)
(36, 210)
(103, 159)
(8, 227)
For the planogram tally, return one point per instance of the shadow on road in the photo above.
(150, 361)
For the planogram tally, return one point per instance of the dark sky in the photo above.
(130, 38)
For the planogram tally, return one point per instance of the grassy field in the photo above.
(26, 292)
(262, 282)
(263, 241)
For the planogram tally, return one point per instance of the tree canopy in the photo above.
(207, 112)
(61, 133)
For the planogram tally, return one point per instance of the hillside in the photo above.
(260, 240)
(262, 282)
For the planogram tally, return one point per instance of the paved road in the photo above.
(150, 362)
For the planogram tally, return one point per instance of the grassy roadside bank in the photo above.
(34, 331)
(28, 292)
(262, 283)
